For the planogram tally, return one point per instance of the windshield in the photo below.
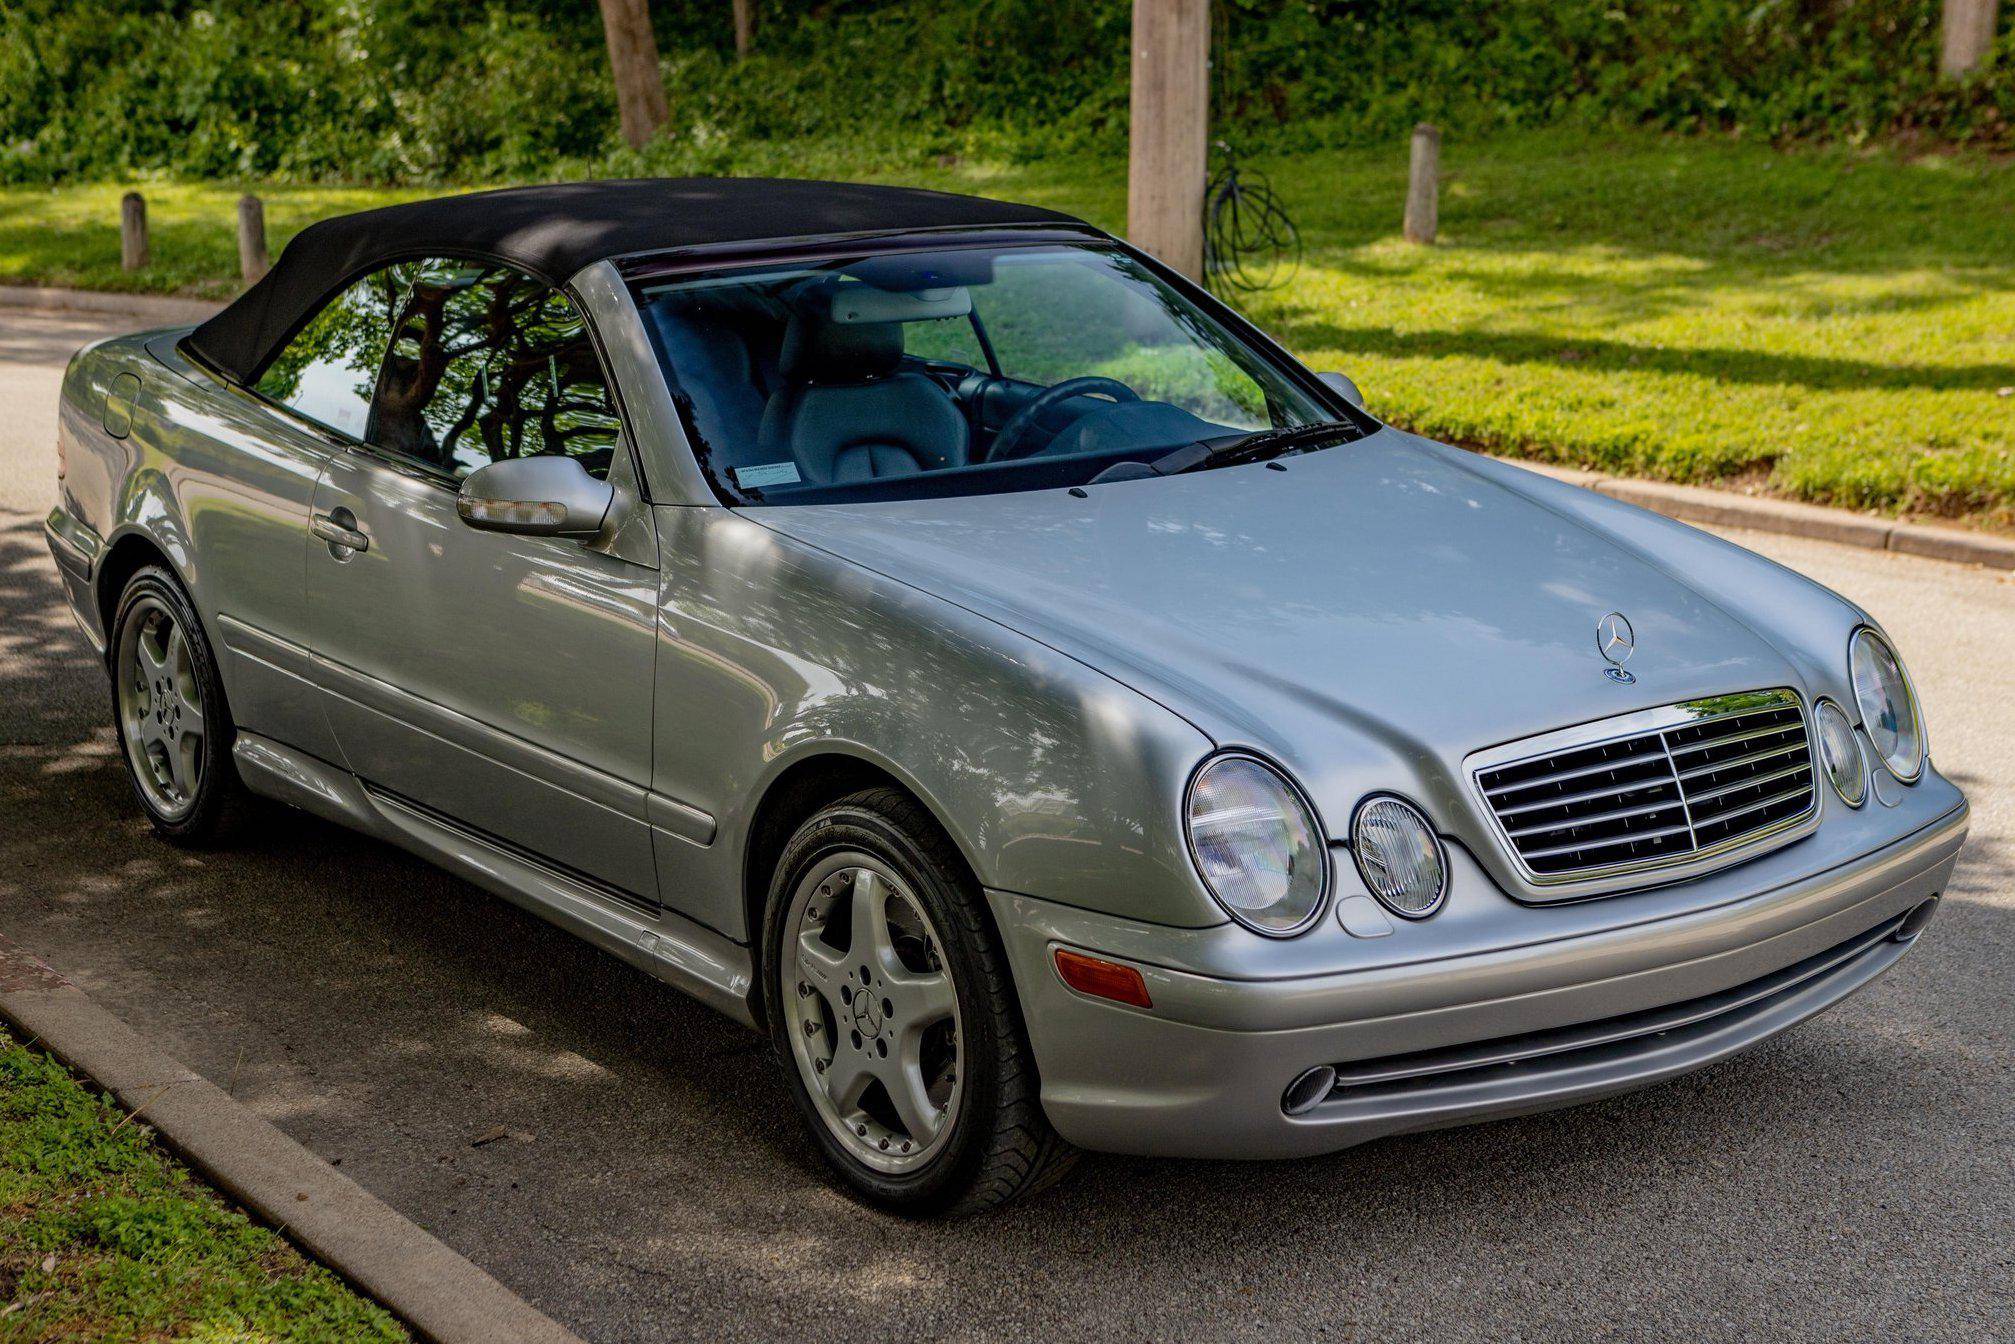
(964, 371)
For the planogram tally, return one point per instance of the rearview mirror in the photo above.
(535, 496)
(1342, 385)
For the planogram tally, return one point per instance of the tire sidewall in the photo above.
(218, 770)
(852, 826)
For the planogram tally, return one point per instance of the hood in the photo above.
(1374, 606)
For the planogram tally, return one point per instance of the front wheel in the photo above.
(893, 1012)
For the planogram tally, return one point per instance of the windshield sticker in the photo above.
(769, 473)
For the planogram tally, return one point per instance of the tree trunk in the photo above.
(633, 59)
(1170, 131)
(1968, 37)
(745, 27)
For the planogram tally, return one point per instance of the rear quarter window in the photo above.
(327, 372)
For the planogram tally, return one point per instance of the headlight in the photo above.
(1888, 705)
(1257, 845)
(1840, 753)
(1399, 857)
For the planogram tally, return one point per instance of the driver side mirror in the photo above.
(535, 497)
(1342, 385)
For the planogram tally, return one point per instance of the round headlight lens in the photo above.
(1257, 845)
(1888, 706)
(1841, 754)
(1399, 857)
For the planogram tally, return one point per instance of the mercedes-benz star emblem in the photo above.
(1615, 641)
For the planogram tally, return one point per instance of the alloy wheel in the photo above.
(873, 1013)
(161, 708)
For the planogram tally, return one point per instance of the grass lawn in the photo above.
(104, 1237)
(1825, 324)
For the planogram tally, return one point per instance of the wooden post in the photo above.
(251, 238)
(1968, 30)
(1423, 186)
(1170, 131)
(745, 27)
(633, 60)
(133, 254)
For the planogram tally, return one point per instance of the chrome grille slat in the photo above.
(1628, 838)
(1665, 787)
(1591, 795)
(1751, 759)
(1783, 797)
(1597, 817)
(1744, 736)
(1605, 767)
(1771, 778)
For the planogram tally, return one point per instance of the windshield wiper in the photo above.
(1261, 443)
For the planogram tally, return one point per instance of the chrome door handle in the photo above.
(335, 528)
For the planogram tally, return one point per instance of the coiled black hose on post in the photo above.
(1249, 243)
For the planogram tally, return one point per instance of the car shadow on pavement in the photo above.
(632, 1162)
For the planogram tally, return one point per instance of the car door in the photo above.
(502, 683)
(245, 473)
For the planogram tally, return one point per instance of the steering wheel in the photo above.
(1007, 446)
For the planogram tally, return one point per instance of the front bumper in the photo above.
(1426, 1041)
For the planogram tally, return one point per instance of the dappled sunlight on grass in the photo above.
(1835, 326)
(1878, 390)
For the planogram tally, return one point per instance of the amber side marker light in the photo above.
(1102, 979)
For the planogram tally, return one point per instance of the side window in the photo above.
(486, 363)
(327, 372)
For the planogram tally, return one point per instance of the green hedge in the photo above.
(427, 90)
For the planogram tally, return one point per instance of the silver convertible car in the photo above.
(931, 631)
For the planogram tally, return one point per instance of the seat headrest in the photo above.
(820, 350)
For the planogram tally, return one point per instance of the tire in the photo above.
(163, 680)
(836, 1014)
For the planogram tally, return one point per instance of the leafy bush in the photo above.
(426, 90)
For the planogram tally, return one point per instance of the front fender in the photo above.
(1054, 780)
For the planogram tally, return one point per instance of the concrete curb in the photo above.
(159, 309)
(437, 1293)
(1723, 508)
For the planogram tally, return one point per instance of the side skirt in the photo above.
(685, 955)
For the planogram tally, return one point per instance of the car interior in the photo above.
(811, 383)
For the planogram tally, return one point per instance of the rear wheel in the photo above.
(168, 703)
(893, 1012)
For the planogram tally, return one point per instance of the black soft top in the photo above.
(554, 231)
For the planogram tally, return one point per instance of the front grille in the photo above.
(1722, 773)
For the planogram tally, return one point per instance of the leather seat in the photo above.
(846, 412)
(711, 349)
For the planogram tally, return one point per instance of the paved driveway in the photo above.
(1853, 1179)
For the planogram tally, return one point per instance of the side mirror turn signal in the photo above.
(535, 496)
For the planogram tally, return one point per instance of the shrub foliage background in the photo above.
(472, 90)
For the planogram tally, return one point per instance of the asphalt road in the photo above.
(1852, 1179)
